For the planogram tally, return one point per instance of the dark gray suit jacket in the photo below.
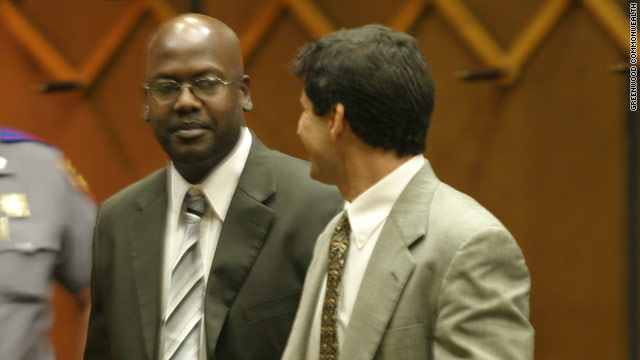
(256, 277)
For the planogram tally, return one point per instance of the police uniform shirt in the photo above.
(46, 225)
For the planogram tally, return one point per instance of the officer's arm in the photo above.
(74, 265)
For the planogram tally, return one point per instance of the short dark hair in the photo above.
(381, 78)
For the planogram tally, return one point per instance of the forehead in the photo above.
(187, 53)
(183, 61)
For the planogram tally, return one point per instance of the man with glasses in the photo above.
(205, 258)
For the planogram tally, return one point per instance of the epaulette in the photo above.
(10, 135)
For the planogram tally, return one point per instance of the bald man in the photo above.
(205, 258)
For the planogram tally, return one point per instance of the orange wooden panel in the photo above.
(545, 155)
(112, 42)
(34, 42)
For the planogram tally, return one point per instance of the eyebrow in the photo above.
(211, 71)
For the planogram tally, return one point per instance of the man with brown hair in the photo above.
(411, 269)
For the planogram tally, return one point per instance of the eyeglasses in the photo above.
(204, 87)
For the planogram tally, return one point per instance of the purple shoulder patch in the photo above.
(10, 135)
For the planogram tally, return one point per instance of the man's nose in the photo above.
(187, 101)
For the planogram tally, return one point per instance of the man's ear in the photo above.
(337, 122)
(245, 87)
(146, 116)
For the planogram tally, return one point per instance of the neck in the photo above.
(362, 169)
(194, 173)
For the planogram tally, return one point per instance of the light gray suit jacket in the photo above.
(446, 280)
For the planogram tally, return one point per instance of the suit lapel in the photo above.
(241, 238)
(147, 244)
(389, 268)
(299, 336)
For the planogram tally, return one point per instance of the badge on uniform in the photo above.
(11, 205)
(14, 205)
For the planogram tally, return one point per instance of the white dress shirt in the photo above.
(367, 215)
(218, 187)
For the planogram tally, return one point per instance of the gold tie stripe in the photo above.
(338, 249)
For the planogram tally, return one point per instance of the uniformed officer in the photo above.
(46, 222)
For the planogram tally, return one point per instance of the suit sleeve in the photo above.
(97, 337)
(483, 302)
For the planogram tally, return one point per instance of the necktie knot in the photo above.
(195, 205)
(343, 229)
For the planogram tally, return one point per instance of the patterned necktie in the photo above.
(186, 291)
(337, 257)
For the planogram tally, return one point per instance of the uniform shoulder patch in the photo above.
(75, 178)
(10, 135)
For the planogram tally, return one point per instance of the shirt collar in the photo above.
(369, 210)
(220, 184)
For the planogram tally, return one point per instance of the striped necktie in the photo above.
(329, 346)
(186, 290)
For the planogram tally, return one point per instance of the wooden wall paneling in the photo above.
(471, 31)
(355, 13)
(74, 27)
(612, 18)
(311, 16)
(407, 15)
(530, 38)
(540, 155)
(241, 15)
(260, 25)
(162, 9)
(545, 154)
(275, 91)
(116, 35)
(513, 16)
(39, 47)
(118, 100)
(112, 41)
(68, 328)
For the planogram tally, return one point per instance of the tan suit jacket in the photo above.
(446, 280)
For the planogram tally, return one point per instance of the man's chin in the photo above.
(189, 152)
(317, 175)
(191, 157)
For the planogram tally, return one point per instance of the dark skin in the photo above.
(197, 133)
